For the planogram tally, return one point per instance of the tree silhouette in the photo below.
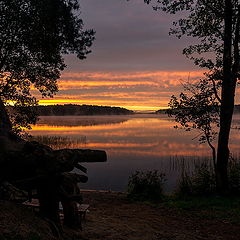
(34, 36)
(216, 25)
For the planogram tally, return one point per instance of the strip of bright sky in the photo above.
(134, 62)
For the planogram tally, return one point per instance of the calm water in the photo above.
(136, 142)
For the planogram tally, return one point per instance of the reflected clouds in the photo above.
(135, 142)
(151, 135)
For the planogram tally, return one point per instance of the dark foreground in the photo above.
(113, 217)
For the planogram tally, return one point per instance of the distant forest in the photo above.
(164, 111)
(76, 110)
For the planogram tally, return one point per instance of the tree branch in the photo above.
(236, 64)
(213, 149)
(5, 124)
(215, 91)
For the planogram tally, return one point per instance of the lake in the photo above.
(134, 142)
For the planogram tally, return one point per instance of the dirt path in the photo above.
(112, 217)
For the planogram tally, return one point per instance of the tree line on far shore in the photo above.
(76, 110)
(161, 111)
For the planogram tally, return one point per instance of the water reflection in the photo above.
(71, 121)
(136, 142)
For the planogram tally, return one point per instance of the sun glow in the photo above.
(140, 91)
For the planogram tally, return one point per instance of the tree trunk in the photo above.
(5, 124)
(49, 202)
(72, 217)
(227, 108)
(227, 103)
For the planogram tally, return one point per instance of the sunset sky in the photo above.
(134, 62)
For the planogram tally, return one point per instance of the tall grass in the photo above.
(202, 180)
(195, 180)
(59, 142)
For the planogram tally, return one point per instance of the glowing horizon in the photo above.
(139, 91)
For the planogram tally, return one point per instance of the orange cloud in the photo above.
(133, 90)
(161, 78)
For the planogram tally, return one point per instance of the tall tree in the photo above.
(216, 25)
(34, 36)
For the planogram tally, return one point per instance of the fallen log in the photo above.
(32, 159)
(30, 165)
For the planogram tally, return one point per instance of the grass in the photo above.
(17, 236)
(59, 142)
(210, 207)
(196, 193)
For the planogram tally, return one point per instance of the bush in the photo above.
(234, 176)
(184, 187)
(201, 182)
(146, 186)
(204, 181)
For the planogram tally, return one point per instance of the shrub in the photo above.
(184, 187)
(146, 186)
(234, 176)
(201, 182)
(204, 181)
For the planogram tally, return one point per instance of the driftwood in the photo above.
(29, 166)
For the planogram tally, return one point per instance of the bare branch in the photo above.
(236, 64)
(215, 91)
(212, 147)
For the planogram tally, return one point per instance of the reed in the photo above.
(59, 142)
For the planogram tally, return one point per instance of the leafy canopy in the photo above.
(203, 20)
(34, 35)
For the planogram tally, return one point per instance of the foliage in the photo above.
(234, 176)
(146, 186)
(216, 25)
(201, 182)
(21, 116)
(73, 109)
(184, 187)
(197, 110)
(34, 35)
(210, 207)
(205, 20)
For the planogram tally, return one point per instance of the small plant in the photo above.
(201, 182)
(184, 187)
(234, 176)
(146, 186)
(204, 181)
